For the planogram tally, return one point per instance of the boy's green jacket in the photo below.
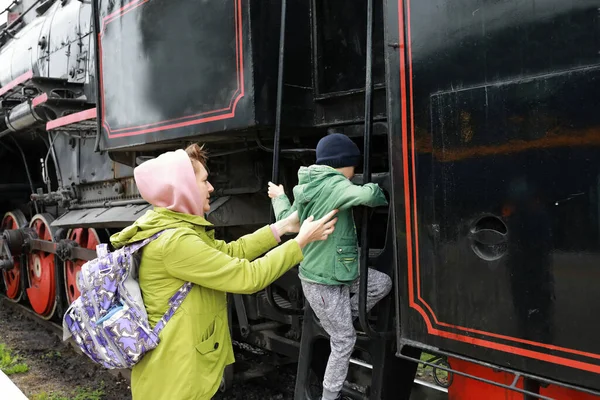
(195, 344)
(320, 190)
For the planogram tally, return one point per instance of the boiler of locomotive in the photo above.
(47, 52)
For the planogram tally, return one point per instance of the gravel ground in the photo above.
(55, 371)
(58, 372)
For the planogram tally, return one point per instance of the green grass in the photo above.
(47, 396)
(427, 369)
(9, 363)
(52, 355)
(78, 394)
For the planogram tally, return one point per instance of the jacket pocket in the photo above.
(346, 262)
(209, 359)
(211, 344)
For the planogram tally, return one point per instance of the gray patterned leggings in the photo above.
(336, 310)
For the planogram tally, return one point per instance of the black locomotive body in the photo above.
(478, 119)
(497, 137)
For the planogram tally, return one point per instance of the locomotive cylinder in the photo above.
(26, 115)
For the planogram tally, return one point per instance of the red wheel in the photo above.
(12, 278)
(86, 238)
(41, 272)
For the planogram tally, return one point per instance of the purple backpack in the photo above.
(109, 321)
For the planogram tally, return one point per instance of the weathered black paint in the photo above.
(216, 72)
(169, 68)
(501, 181)
(340, 45)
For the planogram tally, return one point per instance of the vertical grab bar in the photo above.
(276, 149)
(364, 254)
(96, 30)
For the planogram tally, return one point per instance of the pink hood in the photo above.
(168, 181)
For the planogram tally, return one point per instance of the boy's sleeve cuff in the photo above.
(275, 233)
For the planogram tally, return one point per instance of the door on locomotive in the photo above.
(493, 112)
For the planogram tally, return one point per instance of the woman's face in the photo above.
(204, 185)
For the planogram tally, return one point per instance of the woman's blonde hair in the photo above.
(197, 155)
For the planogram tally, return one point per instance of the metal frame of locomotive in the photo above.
(92, 91)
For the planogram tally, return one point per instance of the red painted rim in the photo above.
(86, 238)
(41, 272)
(12, 277)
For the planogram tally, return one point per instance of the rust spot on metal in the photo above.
(466, 128)
(554, 138)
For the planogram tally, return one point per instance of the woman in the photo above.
(195, 344)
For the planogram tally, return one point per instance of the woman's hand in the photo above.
(275, 191)
(291, 224)
(312, 231)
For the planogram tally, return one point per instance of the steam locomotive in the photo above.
(479, 119)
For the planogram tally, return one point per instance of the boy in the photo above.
(329, 272)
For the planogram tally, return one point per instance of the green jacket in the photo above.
(320, 190)
(195, 344)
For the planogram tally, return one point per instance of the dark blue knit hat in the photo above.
(337, 151)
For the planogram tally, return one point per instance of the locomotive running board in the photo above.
(101, 217)
(15, 85)
(83, 120)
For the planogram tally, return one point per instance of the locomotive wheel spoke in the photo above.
(12, 278)
(87, 238)
(41, 270)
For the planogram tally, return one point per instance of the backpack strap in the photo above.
(102, 248)
(174, 303)
(176, 300)
(138, 245)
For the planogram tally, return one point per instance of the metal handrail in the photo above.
(6, 30)
(364, 254)
(516, 374)
(99, 94)
(276, 149)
